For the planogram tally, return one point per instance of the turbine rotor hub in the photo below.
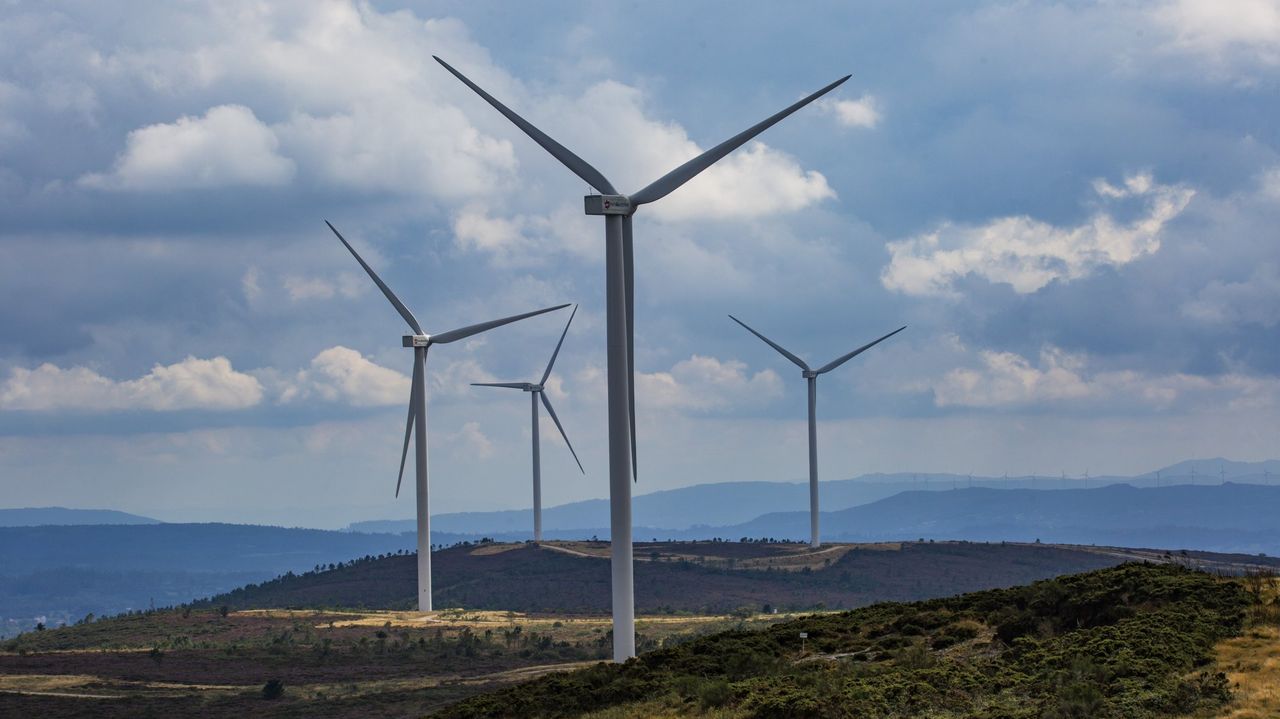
(808, 373)
(415, 340)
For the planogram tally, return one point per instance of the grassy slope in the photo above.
(333, 664)
(1121, 642)
(705, 577)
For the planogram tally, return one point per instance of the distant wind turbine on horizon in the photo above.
(617, 210)
(536, 392)
(420, 341)
(811, 378)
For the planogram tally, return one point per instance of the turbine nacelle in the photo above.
(608, 205)
(416, 340)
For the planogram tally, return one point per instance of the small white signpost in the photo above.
(803, 637)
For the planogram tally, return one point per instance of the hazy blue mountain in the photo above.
(1231, 517)
(64, 572)
(69, 570)
(730, 503)
(36, 516)
(714, 504)
(1211, 471)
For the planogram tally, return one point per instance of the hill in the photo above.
(1225, 518)
(36, 516)
(1130, 641)
(705, 577)
(1120, 642)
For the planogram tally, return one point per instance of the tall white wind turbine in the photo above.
(420, 341)
(620, 326)
(811, 377)
(536, 392)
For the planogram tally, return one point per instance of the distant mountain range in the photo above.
(1221, 518)
(728, 504)
(36, 516)
(68, 562)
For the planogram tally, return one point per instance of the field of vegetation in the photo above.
(220, 662)
(1136, 640)
(1127, 642)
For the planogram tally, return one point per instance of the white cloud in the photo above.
(190, 384)
(504, 239)
(1270, 183)
(249, 283)
(1007, 379)
(526, 240)
(361, 104)
(302, 288)
(1028, 254)
(227, 146)
(372, 110)
(754, 181)
(1224, 31)
(12, 129)
(341, 374)
(1253, 301)
(863, 112)
(706, 383)
(453, 378)
(470, 442)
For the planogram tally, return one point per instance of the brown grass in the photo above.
(1252, 665)
(1251, 661)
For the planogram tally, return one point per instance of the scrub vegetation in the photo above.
(1135, 640)
(1128, 642)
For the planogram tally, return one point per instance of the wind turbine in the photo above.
(617, 210)
(420, 341)
(535, 392)
(811, 377)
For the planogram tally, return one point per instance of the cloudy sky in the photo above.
(1073, 206)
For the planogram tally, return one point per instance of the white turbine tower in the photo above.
(536, 392)
(811, 377)
(620, 326)
(420, 341)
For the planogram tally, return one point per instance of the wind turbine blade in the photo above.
(629, 277)
(576, 164)
(404, 311)
(415, 391)
(845, 358)
(552, 363)
(682, 174)
(799, 362)
(465, 332)
(512, 385)
(547, 403)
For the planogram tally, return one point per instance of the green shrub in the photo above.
(273, 689)
(1108, 644)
